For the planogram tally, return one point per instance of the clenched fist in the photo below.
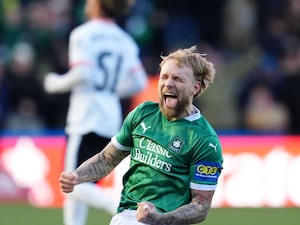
(147, 213)
(67, 181)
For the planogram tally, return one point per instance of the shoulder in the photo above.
(87, 29)
(121, 37)
(79, 30)
(79, 33)
(207, 141)
(203, 132)
(145, 108)
(128, 42)
(202, 128)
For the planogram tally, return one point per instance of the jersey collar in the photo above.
(194, 116)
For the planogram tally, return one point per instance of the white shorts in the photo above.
(126, 217)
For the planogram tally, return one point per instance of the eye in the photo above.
(164, 76)
(177, 79)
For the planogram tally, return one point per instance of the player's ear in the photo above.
(197, 88)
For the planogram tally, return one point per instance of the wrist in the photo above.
(76, 179)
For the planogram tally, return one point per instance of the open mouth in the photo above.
(170, 100)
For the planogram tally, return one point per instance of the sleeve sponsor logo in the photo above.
(207, 172)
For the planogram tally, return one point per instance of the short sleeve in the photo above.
(207, 164)
(124, 136)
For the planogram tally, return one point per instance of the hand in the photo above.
(50, 82)
(147, 213)
(67, 181)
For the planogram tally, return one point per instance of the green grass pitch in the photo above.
(23, 214)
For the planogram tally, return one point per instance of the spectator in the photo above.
(3, 93)
(289, 91)
(25, 93)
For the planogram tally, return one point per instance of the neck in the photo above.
(187, 112)
(191, 110)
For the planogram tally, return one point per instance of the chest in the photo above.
(166, 147)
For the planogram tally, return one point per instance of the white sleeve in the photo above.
(135, 82)
(56, 83)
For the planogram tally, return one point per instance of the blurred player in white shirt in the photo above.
(104, 67)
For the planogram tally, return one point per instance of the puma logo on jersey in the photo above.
(213, 146)
(145, 128)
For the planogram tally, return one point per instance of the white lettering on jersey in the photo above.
(152, 154)
(149, 145)
(151, 159)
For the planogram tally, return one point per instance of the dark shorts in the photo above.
(90, 145)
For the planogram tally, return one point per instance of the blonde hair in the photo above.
(204, 70)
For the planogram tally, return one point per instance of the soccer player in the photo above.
(104, 67)
(175, 154)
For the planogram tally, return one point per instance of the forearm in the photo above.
(188, 214)
(55, 83)
(194, 212)
(100, 165)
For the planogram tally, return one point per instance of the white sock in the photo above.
(74, 212)
(95, 196)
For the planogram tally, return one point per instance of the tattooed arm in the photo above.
(194, 212)
(93, 169)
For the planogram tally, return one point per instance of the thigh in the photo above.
(72, 149)
(127, 217)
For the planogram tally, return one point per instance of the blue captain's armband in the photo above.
(207, 172)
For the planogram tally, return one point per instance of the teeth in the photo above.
(170, 95)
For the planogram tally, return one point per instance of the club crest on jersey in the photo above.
(176, 145)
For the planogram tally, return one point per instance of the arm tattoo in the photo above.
(194, 212)
(100, 164)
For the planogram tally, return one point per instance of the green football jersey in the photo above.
(167, 158)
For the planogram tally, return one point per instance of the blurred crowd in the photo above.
(254, 44)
